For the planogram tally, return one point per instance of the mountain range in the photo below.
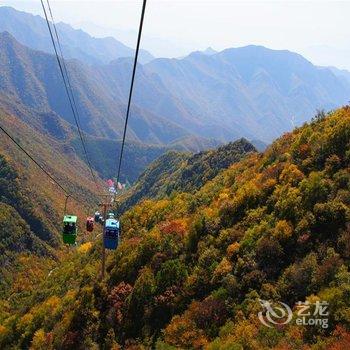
(251, 92)
(32, 31)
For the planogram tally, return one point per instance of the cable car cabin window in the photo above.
(112, 233)
(90, 224)
(69, 228)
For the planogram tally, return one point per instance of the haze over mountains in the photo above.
(32, 31)
(251, 92)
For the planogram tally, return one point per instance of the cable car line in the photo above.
(131, 88)
(111, 227)
(69, 238)
(111, 232)
(64, 63)
(63, 68)
(65, 203)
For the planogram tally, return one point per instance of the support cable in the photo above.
(131, 88)
(68, 88)
(64, 63)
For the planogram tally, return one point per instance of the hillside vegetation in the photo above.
(192, 267)
(185, 172)
(103, 152)
(31, 205)
(22, 230)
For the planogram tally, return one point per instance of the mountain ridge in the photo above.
(41, 87)
(184, 172)
(245, 85)
(31, 30)
(252, 92)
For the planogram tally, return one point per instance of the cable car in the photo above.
(70, 229)
(112, 234)
(97, 216)
(90, 224)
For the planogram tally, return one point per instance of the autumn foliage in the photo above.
(192, 267)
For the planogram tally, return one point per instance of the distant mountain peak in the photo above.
(261, 49)
(249, 91)
(209, 51)
(31, 30)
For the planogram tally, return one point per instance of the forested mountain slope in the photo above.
(103, 152)
(191, 268)
(31, 205)
(22, 229)
(104, 155)
(59, 158)
(185, 172)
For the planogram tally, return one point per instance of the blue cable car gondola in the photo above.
(112, 234)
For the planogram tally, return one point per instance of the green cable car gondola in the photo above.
(70, 229)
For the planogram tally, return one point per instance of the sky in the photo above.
(319, 30)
